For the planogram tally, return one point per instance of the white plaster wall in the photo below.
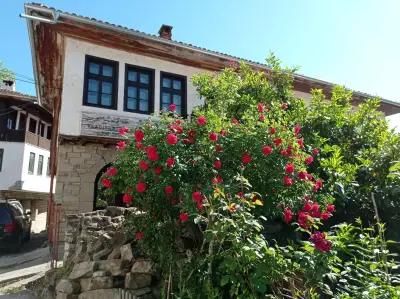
(74, 64)
(12, 163)
(35, 182)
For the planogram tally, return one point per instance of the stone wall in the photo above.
(104, 262)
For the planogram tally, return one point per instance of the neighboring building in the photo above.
(96, 77)
(25, 130)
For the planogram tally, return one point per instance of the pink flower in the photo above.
(112, 171)
(122, 131)
(168, 189)
(139, 235)
(183, 217)
(152, 154)
(317, 185)
(201, 120)
(213, 136)
(139, 135)
(287, 215)
(143, 165)
(234, 121)
(260, 107)
(217, 164)
(297, 129)
(300, 142)
(289, 168)
(320, 242)
(302, 175)
(139, 145)
(266, 150)
(121, 145)
(315, 151)
(197, 196)
(309, 160)
(157, 170)
(106, 183)
(170, 162)
(277, 141)
(127, 198)
(246, 158)
(287, 181)
(261, 117)
(172, 107)
(217, 180)
(172, 139)
(141, 187)
(330, 208)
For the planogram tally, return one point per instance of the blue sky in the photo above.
(354, 43)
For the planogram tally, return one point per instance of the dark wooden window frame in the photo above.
(182, 93)
(31, 166)
(1, 158)
(113, 80)
(138, 85)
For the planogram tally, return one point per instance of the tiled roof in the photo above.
(17, 94)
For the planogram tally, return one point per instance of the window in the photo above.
(49, 132)
(139, 86)
(101, 79)
(12, 120)
(1, 157)
(22, 122)
(31, 166)
(173, 90)
(40, 165)
(32, 125)
(42, 126)
(48, 167)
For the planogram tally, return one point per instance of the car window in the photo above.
(5, 216)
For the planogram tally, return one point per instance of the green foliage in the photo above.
(5, 74)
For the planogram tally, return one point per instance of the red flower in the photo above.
(213, 136)
(325, 215)
(143, 165)
(330, 208)
(183, 217)
(141, 187)
(287, 215)
(300, 142)
(272, 130)
(106, 183)
(152, 154)
(201, 120)
(315, 151)
(139, 145)
(315, 212)
(297, 129)
(112, 171)
(260, 107)
(223, 132)
(122, 131)
(307, 207)
(284, 106)
(127, 198)
(309, 160)
(121, 145)
(170, 162)
(234, 121)
(218, 148)
(318, 185)
(157, 170)
(139, 135)
(278, 141)
(287, 181)
(320, 242)
(304, 220)
(172, 139)
(285, 153)
(261, 117)
(197, 196)
(168, 189)
(217, 180)
(199, 205)
(302, 175)
(266, 150)
(217, 164)
(289, 168)
(172, 107)
(246, 158)
(139, 235)
(176, 128)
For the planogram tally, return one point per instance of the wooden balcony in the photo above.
(24, 136)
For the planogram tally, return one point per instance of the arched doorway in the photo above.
(100, 200)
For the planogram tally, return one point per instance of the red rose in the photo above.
(330, 208)
(261, 117)
(234, 121)
(277, 141)
(213, 136)
(170, 162)
(157, 170)
(122, 131)
(112, 171)
(320, 242)
(223, 132)
(300, 142)
(297, 129)
(106, 183)
(287, 215)
(168, 189)
(315, 212)
(289, 168)
(141, 187)
(139, 135)
(172, 107)
(217, 164)
(218, 148)
(183, 217)
(309, 160)
(217, 180)
(246, 158)
(152, 154)
(139, 145)
(199, 205)
(307, 207)
(266, 150)
(197, 196)
(176, 128)
(139, 235)
(302, 175)
(260, 107)
(201, 120)
(285, 153)
(172, 139)
(318, 185)
(325, 215)
(121, 145)
(304, 220)
(127, 198)
(287, 181)
(143, 165)
(272, 130)
(315, 151)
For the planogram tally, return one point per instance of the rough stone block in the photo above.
(115, 254)
(84, 269)
(66, 296)
(126, 253)
(67, 286)
(96, 283)
(142, 266)
(115, 267)
(135, 281)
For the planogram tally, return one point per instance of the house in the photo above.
(25, 130)
(96, 77)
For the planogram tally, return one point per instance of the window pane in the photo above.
(48, 167)
(93, 85)
(132, 92)
(107, 71)
(1, 157)
(166, 98)
(144, 105)
(178, 109)
(166, 83)
(131, 104)
(144, 78)
(177, 84)
(106, 99)
(106, 87)
(177, 99)
(31, 166)
(143, 94)
(92, 97)
(132, 76)
(40, 165)
(94, 68)
(164, 106)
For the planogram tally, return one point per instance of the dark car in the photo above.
(15, 225)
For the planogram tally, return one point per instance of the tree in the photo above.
(5, 73)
